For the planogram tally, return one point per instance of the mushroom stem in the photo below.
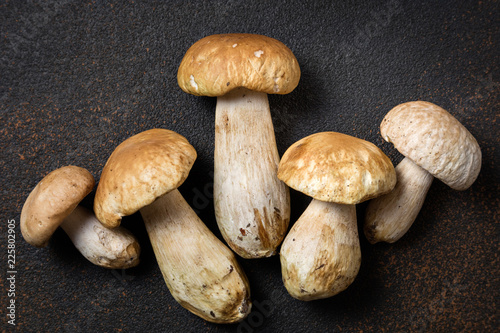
(321, 254)
(111, 248)
(201, 273)
(252, 205)
(389, 216)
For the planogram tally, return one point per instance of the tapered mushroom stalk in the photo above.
(321, 254)
(54, 202)
(252, 206)
(390, 216)
(435, 145)
(202, 274)
(111, 248)
(200, 271)
(251, 203)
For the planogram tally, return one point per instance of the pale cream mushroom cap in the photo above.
(338, 168)
(434, 140)
(141, 169)
(52, 200)
(217, 64)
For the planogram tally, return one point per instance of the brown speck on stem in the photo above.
(320, 266)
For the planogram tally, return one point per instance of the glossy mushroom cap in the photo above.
(141, 169)
(338, 168)
(51, 201)
(434, 140)
(217, 64)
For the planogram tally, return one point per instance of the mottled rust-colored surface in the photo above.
(77, 78)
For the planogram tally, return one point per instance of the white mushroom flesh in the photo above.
(111, 248)
(201, 273)
(390, 216)
(321, 254)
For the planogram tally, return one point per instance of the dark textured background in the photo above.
(77, 78)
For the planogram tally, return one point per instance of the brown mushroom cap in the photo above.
(338, 168)
(53, 199)
(434, 140)
(141, 169)
(217, 64)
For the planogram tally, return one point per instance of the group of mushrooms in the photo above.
(320, 255)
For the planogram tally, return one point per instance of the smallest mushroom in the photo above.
(54, 202)
(435, 144)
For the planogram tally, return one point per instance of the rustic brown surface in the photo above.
(76, 79)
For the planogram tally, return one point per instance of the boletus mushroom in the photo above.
(143, 174)
(435, 144)
(55, 202)
(252, 206)
(321, 254)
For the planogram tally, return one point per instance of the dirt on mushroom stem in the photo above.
(201, 273)
(248, 195)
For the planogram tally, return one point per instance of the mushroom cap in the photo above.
(338, 168)
(53, 199)
(141, 169)
(217, 64)
(434, 140)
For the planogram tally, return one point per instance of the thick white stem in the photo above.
(389, 217)
(252, 205)
(201, 273)
(111, 248)
(321, 254)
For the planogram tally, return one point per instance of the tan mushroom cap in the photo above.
(141, 169)
(52, 200)
(338, 168)
(434, 140)
(217, 64)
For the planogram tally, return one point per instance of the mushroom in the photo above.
(321, 254)
(435, 144)
(143, 174)
(252, 206)
(54, 202)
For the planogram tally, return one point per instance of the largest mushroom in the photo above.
(252, 205)
(435, 144)
(202, 274)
